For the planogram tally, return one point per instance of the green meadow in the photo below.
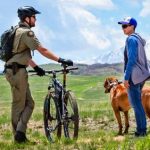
(98, 126)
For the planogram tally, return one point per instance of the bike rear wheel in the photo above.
(52, 125)
(71, 121)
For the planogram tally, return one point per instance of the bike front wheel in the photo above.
(52, 124)
(71, 121)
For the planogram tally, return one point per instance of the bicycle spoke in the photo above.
(71, 122)
(51, 125)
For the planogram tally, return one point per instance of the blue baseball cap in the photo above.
(128, 20)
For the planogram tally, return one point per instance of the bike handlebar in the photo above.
(56, 71)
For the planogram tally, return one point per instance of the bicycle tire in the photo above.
(71, 122)
(51, 123)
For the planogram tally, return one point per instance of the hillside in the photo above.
(100, 69)
(95, 69)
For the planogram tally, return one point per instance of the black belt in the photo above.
(15, 67)
(11, 66)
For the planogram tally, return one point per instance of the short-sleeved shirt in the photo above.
(24, 41)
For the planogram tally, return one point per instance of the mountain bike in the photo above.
(60, 112)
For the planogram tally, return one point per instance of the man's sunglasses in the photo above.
(125, 26)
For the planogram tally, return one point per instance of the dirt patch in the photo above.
(96, 124)
(86, 123)
(4, 127)
(106, 124)
(36, 126)
(119, 138)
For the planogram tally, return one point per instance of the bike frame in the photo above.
(58, 96)
(60, 90)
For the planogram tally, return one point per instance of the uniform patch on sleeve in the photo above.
(30, 33)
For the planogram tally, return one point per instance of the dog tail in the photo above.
(146, 103)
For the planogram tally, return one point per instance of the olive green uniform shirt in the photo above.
(24, 41)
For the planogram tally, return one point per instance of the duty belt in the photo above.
(15, 67)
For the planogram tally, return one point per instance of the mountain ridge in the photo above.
(94, 69)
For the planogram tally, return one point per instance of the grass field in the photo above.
(98, 127)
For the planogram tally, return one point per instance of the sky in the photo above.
(80, 30)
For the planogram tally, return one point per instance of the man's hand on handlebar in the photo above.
(39, 71)
(65, 61)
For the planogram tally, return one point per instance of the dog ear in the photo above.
(105, 82)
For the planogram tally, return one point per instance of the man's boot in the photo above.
(20, 137)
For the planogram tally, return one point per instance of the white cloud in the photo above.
(87, 24)
(94, 39)
(81, 16)
(146, 8)
(44, 34)
(101, 4)
(117, 38)
(134, 2)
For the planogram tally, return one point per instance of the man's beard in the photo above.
(32, 25)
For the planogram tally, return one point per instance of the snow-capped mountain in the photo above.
(116, 56)
(110, 57)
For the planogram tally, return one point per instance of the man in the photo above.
(136, 71)
(16, 74)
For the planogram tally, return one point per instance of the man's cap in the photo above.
(128, 20)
